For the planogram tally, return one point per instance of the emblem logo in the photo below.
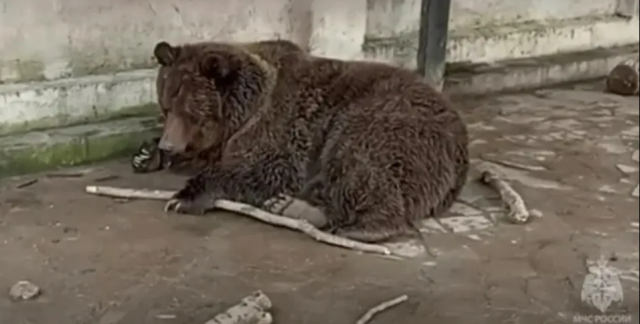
(601, 286)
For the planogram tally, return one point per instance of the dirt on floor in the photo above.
(572, 154)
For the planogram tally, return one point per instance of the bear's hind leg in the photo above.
(359, 206)
(383, 221)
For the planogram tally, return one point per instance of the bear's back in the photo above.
(315, 83)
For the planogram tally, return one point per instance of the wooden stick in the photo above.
(250, 310)
(381, 308)
(130, 193)
(300, 225)
(27, 183)
(518, 212)
(513, 165)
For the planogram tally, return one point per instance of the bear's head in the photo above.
(207, 91)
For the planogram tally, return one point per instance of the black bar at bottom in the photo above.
(432, 46)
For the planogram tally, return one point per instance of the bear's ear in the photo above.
(218, 65)
(165, 53)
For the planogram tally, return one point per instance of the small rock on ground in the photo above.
(24, 290)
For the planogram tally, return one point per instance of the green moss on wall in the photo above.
(150, 109)
(89, 146)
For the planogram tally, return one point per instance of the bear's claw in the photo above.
(182, 206)
(172, 205)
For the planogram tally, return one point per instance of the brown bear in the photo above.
(149, 158)
(371, 145)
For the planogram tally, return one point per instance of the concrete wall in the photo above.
(493, 30)
(391, 17)
(52, 39)
(58, 57)
(70, 61)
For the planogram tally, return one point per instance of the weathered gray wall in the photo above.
(390, 17)
(69, 61)
(53, 39)
(50, 39)
(495, 30)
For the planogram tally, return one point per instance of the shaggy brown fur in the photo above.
(373, 146)
(150, 158)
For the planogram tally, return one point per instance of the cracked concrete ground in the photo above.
(572, 154)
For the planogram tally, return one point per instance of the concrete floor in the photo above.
(569, 152)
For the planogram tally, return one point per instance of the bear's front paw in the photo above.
(184, 206)
(185, 202)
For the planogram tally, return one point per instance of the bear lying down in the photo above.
(371, 145)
